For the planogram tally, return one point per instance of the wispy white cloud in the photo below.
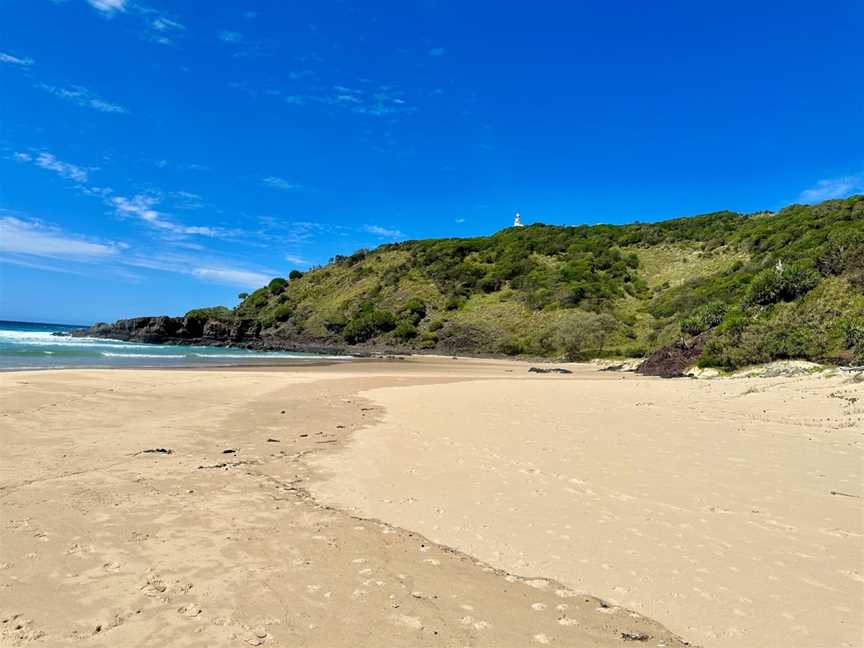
(49, 162)
(280, 183)
(155, 25)
(383, 231)
(383, 101)
(27, 242)
(831, 188)
(108, 7)
(437, 51)
(83, 97)
(160, 28)
(31, 237)
(143, 207)
(298, 260)
(209, 269)
(15, 60)
(233, 276)
(140, 206)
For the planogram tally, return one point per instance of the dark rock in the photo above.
(215, 330)
(628, 636)
(672, 361)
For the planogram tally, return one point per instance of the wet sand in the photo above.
(144, 508)
(729, 510)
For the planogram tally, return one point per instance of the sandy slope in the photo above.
(729, 510)
(105, 544)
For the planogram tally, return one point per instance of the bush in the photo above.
(294, 275)
(428, 341)
(414, 310)
(220, 313)
(405, 331)
(367, 323)
(581, 330)
(853, 335)
(511, 347)
(782, 283)
(705, 318)
(277, 285)
(282, 312)
(335, 322)
(454, 303)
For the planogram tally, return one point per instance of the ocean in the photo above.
(32, 345)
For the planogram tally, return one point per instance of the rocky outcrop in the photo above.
(202, 331)
(674, 360)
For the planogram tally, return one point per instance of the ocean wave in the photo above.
(23, 338)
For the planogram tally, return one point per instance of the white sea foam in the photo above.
(32, 338)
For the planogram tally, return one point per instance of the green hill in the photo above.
(761, 287)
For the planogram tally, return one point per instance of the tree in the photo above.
(581, 331)
(294, 274)
(277, 285)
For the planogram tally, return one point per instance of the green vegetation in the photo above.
(216, 312)
(757, 287)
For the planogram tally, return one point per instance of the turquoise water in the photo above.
(31, 345)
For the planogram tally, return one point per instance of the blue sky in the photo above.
(157, 156)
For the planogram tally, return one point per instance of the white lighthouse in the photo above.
(517, 222)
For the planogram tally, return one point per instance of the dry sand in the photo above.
(728, 510)
(217, 542)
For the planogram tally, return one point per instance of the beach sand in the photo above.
(428, 502)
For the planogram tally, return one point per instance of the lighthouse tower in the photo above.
(517, 222)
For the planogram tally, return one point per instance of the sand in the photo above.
(170, 508)
(728, 510)
(428, 502)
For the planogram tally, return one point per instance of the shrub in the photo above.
(782, 283)
(414, 310)
(510, 346)
(428, 341)
(368, 322)
(220, 313)
(277, 285)
(581, 330)
(853, 335)
(335, 322)
(294, 275)
(405, 331)
(705, 318)
(454, 303)
(282, 312)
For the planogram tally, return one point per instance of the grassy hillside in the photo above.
(763, 286)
